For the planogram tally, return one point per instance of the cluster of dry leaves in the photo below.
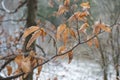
(63, 33)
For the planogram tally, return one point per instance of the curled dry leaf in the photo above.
(19, 59)
(66, 2)
(105, 28)
(61, 49)
(9, 70)
(85, 5)
(98, 26)
(83, 27)
(96, 29)
(29, 31)
(39, 70)
(32, 53)
(96, 42)
(72, 33)
(79, 16)
(34, 37)
(40, 61)
(60, 30)
(82, 16)
(17, 71)
(43, 34)
(34, 62)
(26, 65)
(74, 16)
(62, 9)
(89, 42)
(70, 56)
(65, 35)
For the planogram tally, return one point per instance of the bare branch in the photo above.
(13, 20)
(11, 12)
(44, 54)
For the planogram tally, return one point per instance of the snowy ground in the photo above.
(77, 70)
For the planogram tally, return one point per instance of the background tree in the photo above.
(72, 27)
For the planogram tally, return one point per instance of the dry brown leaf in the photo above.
(105, 28)
(74, 16)
(72, 33)
(34, 37)
(19, 59)
(83, 27)
(39, 70)
(9, 70)
(26, 65)
(99, 26)
(96, 29)
(32, 53)
(29, 31)
(85, 5)
(66, 2)
(90, 42)
(60, 30)
(70, 55)
(17, 71)
(96, 42)
(43, 34)
(79, 16)
(34, 62)
(65, 35)
(61, 49)
(62, 9)
(83, 15)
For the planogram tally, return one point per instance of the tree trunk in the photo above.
(103, 61)
(31, 17)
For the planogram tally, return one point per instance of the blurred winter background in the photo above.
(87, 63)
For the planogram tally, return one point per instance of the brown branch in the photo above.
(44, 53)
(18, 75)
(5, 64)
(13, 20)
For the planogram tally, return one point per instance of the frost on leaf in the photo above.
(30, 30)
(9, 70)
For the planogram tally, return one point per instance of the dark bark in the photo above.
(103, 61)
(31, 17)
